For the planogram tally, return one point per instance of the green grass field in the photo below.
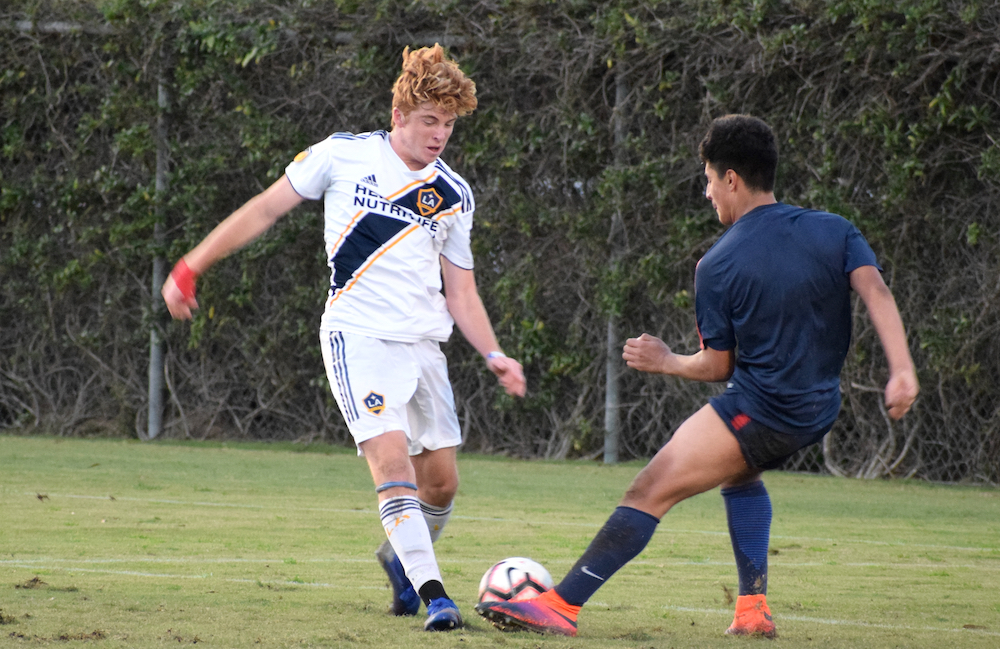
(124, 544)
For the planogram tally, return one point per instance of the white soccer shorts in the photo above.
(383, 385)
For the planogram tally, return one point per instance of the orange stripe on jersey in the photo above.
(357, 275)
(411, 229)
(354, 280)
(343, 234)
(701, 340)
(355, 218)
(445, 213)
(413, 184)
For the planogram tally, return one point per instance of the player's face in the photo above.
(420, 137)
(718, 190)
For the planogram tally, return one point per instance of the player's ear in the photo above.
(731, 179)
(398, 118)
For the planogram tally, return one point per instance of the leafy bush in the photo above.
(583, 157)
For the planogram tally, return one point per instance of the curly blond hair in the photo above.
(429, 76)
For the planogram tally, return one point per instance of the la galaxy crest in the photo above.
(375, 403)
(428, 201)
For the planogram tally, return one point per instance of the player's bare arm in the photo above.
(650, 354)
(902, 387)
(244, 225)
(466, 307)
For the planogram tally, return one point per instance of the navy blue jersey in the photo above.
(775, 288)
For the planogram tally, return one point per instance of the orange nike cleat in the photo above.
(753, 617)
(548, 613)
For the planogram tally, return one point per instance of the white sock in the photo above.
(436, 517)
(404, 525)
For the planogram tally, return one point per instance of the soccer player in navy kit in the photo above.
(397, 227)
(774, 314)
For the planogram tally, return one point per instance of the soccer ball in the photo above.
(514, 579)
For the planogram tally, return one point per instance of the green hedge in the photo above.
(886, 113)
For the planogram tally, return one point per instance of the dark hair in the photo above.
(744, 144)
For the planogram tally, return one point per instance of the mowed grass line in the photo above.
(122, 544)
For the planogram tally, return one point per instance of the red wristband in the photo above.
(184, 279)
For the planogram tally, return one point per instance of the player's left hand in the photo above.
(900, 393)
(510, 373)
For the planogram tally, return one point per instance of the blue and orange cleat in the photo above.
(753, 617)
(442, 615)
(548, 613)
(405, 600)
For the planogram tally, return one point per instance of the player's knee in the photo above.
(746, 478)
(643, 485)
(639, 495)
(652, 494)
(439, 490)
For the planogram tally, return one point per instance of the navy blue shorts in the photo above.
(763, 448)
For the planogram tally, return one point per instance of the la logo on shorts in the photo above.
(428, 200)
(375, 403)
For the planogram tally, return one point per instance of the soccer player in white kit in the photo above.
(397, 226)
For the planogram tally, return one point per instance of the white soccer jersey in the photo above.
(385, 227)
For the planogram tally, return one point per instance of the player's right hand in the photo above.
(646, 353)
(179, 302)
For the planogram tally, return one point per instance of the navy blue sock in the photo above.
(748, 509)
(621, 539)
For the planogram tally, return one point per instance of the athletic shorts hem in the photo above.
(384, 385)
(763, 448)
